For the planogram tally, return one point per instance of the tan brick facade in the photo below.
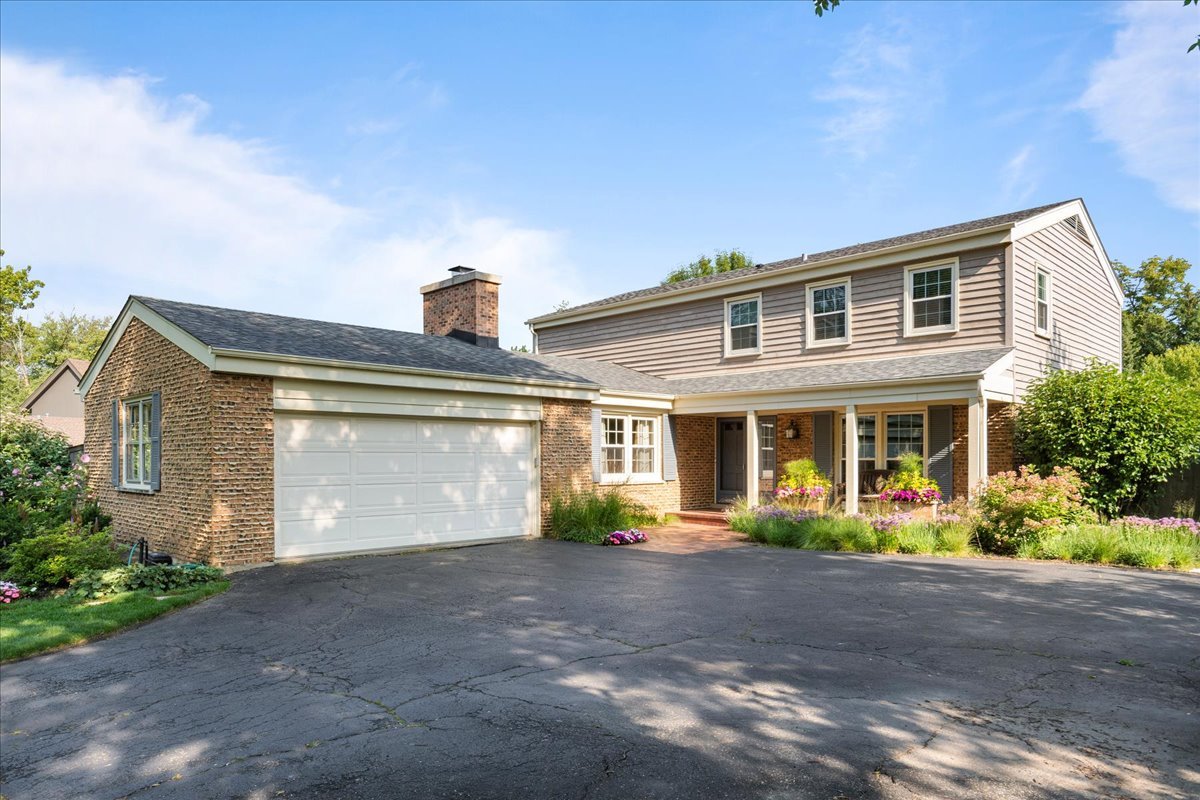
(961, 454)
(696, 454)
(216, 502)
(566, 450)
(1001, 422)
(472, 307)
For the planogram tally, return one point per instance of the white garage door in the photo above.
(353, 483)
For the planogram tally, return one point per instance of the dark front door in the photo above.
(731, 471)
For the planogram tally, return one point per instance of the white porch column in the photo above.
(752, 458)
(976, 425)
(850, 432)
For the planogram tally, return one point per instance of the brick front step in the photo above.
(713, 517)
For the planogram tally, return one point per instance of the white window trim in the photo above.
(909, 331)
(881, 415)
(147, 408)
(763, 472)
(628, 476)
(810, 339)
(729, 351)
(1037, 329)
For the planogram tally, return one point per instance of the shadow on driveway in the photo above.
(550, 669)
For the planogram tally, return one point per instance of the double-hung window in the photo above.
(828, 313)
(743, 321)
(136, 443)
(931, 299)
(866, 443)
(905, 434)
(1042, 301)
(629, 447)
(766, 444)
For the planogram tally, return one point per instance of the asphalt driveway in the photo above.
(547, 669)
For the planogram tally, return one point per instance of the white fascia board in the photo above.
(1057, 215)
(935, 248)
(329, 370)
(999, 382)
(825, 396)
(636, 400)
(168, 330)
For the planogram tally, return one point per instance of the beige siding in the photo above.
(59, 399)
(686, 339)
(1085, 315)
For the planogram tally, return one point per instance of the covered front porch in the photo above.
(963, 434)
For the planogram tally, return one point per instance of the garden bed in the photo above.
(34, 626)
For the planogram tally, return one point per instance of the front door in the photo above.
(731, 458)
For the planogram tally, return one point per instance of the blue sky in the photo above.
(326, 160)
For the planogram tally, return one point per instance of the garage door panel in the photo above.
(385, 463)
(385, 495)
(358, 483)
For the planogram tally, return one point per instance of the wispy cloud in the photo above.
(881, 81)
(109, 190)
(1018, 177)
(1144, 98)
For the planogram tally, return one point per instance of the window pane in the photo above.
(766, 442)
(1043, 316)
(745, 338)
(614, 430)
(643, 432)
(829, 299)
(743, 313)
(146, 464)
(866, 438)
(832, 326)
(905, 434)
(643, 460)
(932, 283)
(614, 460)
(1043, 289)
(932, 313)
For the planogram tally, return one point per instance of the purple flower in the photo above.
(1167, 523)
(16, 471)
(85, 459)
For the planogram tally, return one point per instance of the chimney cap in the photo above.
(461, 275)
(461, 270)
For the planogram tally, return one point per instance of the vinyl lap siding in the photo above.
(687, 339)
(1085, 316)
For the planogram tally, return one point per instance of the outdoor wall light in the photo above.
(790, 432)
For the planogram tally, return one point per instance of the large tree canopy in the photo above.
(1162, 309)
(721, 261)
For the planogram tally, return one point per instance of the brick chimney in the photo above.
(466, 306)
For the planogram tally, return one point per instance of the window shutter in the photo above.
(116, 443)
(597, 446)
(670, 466)
(941, 448)
(823, 441)
(155, 440)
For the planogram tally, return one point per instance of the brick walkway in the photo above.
(684, 538)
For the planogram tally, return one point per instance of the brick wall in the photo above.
(961, 452)
(216, 502)
(472, 306)
(696, 454)
(566, 450)
(1002, 455)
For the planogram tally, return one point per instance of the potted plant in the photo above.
(802, 486)
(908, 490)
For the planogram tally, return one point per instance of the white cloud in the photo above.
(877, 84)
(1018, 179)
(1145, 99)
(109, 190)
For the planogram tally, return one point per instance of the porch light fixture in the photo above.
(791, 432)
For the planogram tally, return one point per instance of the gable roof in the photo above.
(609, 376)
(813, 259)
(251, 332)
(75, 366)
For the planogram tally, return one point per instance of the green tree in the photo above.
(1125, 433)
(62, 336)
(821, 6)
(1182, 364)
(721, 261)
(18, 292)
(1162, 309)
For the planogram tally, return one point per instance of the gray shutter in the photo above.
(155, 441)
(670, 466)
(941, 448)
(597, 450)
(823, 441)
(115, 445)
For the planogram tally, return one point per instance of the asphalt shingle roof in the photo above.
(815, 258)
(955, 363)
(608, 375)
(250, 331)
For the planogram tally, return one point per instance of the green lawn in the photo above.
(31, 626)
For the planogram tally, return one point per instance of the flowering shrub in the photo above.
(801, 478)
(783, 513)
(1018, 506)
(631, 536)
(50, 560)
(1169, 523)
(9, 592)
(909, 484)
(889, 523)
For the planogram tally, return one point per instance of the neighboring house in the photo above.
(235, 437)
(57, 405)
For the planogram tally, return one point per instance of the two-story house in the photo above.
(236, 437)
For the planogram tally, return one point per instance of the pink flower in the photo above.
(85, 459)
(16, 471)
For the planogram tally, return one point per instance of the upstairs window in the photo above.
(1042, 302)
(931, 295)
(743, 318)
(828, 313)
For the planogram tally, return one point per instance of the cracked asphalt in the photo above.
(554, 670)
